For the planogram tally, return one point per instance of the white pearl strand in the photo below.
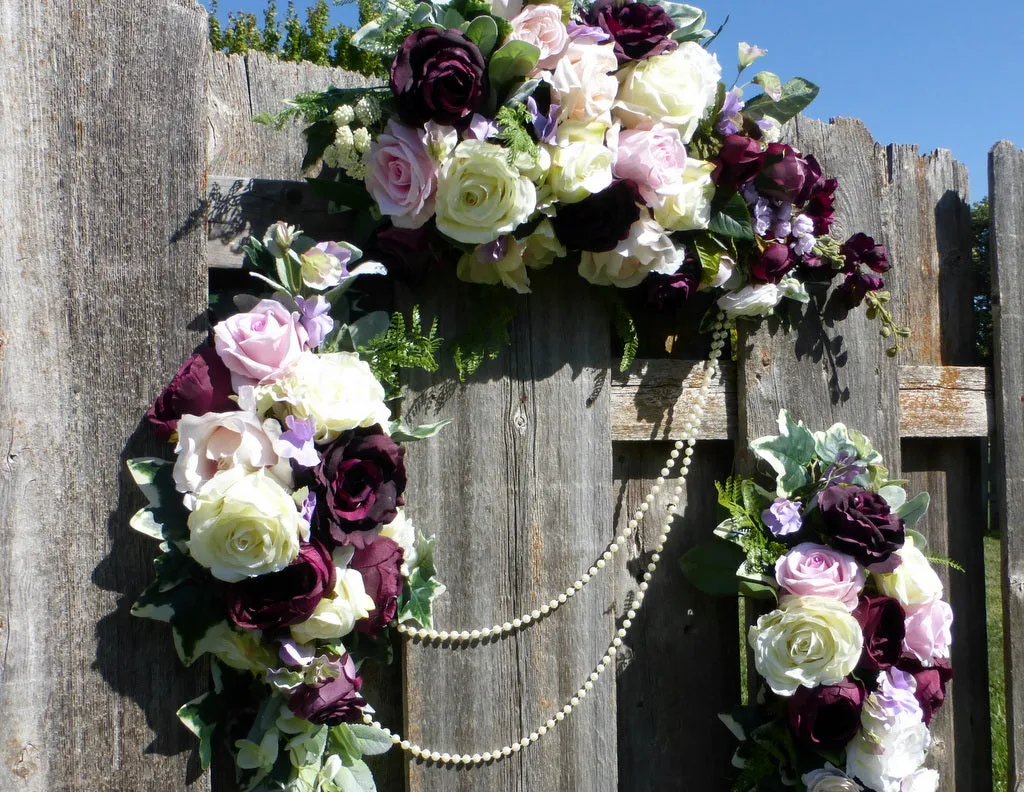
(691, 428)
(458, 639)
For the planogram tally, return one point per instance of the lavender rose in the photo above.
(333, 701)
(653, 159)
(860, 523)
(401, 176)
(359, 485)
(380, 564)
(638, 30)
(881, 622)
(281, 599)
(929, 632)
(260, 344)
(826, 718)
(813, 570)
(600, 221)
(201, 385)
(438, 75)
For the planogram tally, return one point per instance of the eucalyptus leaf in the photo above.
(483, 31)
(894, 495)
(788, 453)
(512, 60)
(402, 434)
(920, 542)
(731, 218)
(711, 566)
(371, 740)
(914, 509)
(452, 19)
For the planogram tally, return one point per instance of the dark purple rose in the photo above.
(668, 292)
(358, 485)
(333, 701)
(882, 623)
(600, 221)
(438, 75)
(858, 284)
(406, 252)
(774, 263)
(280, 599)
(860, 523)
(826, 718)
(931, 684)
(202, 385)
(787, 175)
(862, 249)
(638, 30)
(739, 161)
(821, 206)
(380, 564)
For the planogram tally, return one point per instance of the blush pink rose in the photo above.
(653, 159)
(260, 344)
(929, 632)
(541, 25)
(813, 570)
(401, 176)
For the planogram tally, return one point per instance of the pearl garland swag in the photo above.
(456, 639)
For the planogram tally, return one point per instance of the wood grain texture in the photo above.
(102, 200)
(518, 490)
(929, 232)
(1006, 194)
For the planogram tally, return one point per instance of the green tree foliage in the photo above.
(982, 267)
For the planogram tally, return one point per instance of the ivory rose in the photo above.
(816, 570)
(401, 175)
(654, 159)
(752, 300)
(914, 582)
(336, 615)
(689, 208)
(541, 25)
(583, 83)
(259, 345)
(646, 249)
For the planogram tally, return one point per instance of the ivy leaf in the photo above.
(201, 717)
(796, 95)
(420, 591)
(914, 509)
(371, 740)
(787, 453)
(731, 218)
(711, 566)
(513, 60)
(483, 31)
(835, 440)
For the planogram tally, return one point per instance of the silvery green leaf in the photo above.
(452, 19)
(522, 93)
(771, 84)
(342, 742)
(371, 740)
(733, 725)
(894, 495)
(787, 453)
(403, 434)
(355, 777)
(421, 13)
(833, 441)
(918, 538)
(483, 31)
(914, 509)
(365, 268)
(307, 749)
(245, 302)
(794, 289)
(369, 326)
(511, 60)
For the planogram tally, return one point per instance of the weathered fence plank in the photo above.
(519, 492)
(102, 294)
(929, 228)
(1006, 195)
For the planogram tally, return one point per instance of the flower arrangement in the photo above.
(285, 551)
(855, 654)
(511, 137)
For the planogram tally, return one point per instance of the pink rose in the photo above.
(929, 632)
(813, 570)
(401, 176)
(260, 344)
(541, 25)
(653, 159)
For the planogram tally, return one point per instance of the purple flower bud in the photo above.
(315, 318)
(481, 128)
(298, 442)
(783, 517)
(586, 34)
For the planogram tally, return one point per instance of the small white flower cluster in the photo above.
(350, 144)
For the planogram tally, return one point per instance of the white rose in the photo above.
(244, 524)
(726, 272)
(914, 581)
(753, 300)
(480, 196)
(336, 616)
(218, 441)
(541, 25)
(583, 83)
(579, 169)
(499, 262)
(887, 749)
(647, 249)
(923, 780)
(403, 533)
(830, 779)
(542, 246)
(675, 89)
(336, 391)
(807, 641)
(690, 208)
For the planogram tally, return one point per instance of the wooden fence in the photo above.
(117, 149)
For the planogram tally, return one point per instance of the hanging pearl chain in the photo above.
(691, 429)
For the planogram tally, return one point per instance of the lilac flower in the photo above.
(481, 128)
(803, 234)
(844, 470)
(782, 220)
(783, 517)
(729, 118)
(896, 694)
(544, 125)
(763, 216)
(309, 506)
(315, 319)
(586, 34)
(297, 443)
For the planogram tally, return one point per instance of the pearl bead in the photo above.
(599, 668)
(643, 586)
(535, 614)
(517, 623)
(626, 624)
(477, 758)
(487, 756)
(506, 751)
(443, 635)
(527, 618)
(616, 642)
(551, 723)
(572, 703)
(506, 627)
(516, 747)
(435, 756)
(533, 737)
(553, 605)
(621, 633)
(563, 597)
(542, 730)
(582, 692)
(464, 635)
(405, 745)
(475, 634)
(446, 757)
(585, 577)
(524, 742)
(588, 685)
(559, 716)
(579, 583)
(568, 708)
(633, 524)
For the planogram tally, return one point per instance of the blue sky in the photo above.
(941, 74)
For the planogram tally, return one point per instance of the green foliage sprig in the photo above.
(402, 346)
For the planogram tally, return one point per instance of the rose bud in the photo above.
(600, 221)
(862, 249)
(788, 175)
(638, 30)
(860, 523)
(821, 206)
(738, 162)
(882, 623)
(774, 263)
(438, 75)
(380, 564)
(826, 718)
(857, 285)
(931, 684)
(333, 701)
(201, 385)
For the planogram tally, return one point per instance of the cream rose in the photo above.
(244, 524)
(480, 196)
(542, 246)
(891, 744)
(807, 641)
(647, 249)
(830, 779)
(924, 780)
(914, 582)
(675, 89)
(753, 300)
(336, 616)
(403, 533)
(498, 262)
(541, 25)
(583, 82)
(579, 169)
(689, 209)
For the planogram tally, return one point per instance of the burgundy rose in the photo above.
(931, 684)
(333, 701)
(862, 249)
(358, 484)
(600, 221)
(405, 252)
(788, 175)
(668, 292)
(860, 523)
(826, 718)
(739, 161)
(821, 206)
(202, 385)
(380, 564)
(882, 623)
(638, 30)
(280, 599)
(774, 263)
(857, 285)
(438, 75)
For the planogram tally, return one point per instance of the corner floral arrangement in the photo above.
(512, 137)
(285, 552)
(855, 654)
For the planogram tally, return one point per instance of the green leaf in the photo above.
(771, 84)
(754, 589)
(488, 334)
(894, 495)
(731, 218)
(402, 434)
(342, 742)
(710, 253)
(711, 566)
(483, 31)
(787, 453)
(625, 328)
(371, 740)
(201, 717)
(796, 95)
(420, 591)
(355, 777)
(511, 61)
(914, 509)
